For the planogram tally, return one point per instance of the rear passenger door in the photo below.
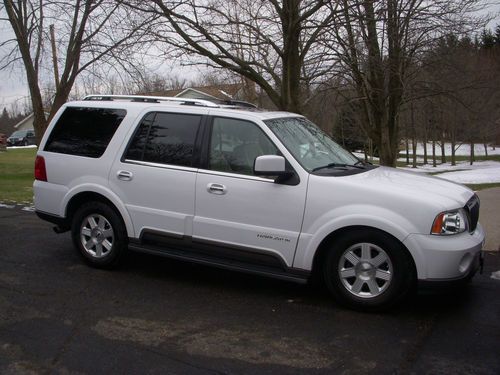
(156, 175)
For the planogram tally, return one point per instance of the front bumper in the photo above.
(446, 258)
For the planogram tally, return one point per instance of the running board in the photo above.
(293, 275)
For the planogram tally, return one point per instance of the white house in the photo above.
(26, 123)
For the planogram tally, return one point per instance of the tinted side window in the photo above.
(84, 131)
(166, 138)
(136, 148)
(235, 144)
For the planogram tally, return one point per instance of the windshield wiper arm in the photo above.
(338, 165)
(363, 163)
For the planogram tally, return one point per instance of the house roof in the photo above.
(222, 92)
(27, 118)
(20, 123)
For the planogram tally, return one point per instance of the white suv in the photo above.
(250, 190)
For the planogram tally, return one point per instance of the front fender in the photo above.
(349, 216)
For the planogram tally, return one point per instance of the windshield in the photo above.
(311, 147)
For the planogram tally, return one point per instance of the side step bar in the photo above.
(297, 276)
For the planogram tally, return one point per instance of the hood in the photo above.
(419, 186)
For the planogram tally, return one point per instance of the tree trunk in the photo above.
(290, 78)
(407, 145)
(453, 161)
(433, 152)
(424, 143)
(443, 150)
(414, 138)
(414, 151)
(471, 152)
(442, 132)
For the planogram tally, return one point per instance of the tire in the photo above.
(26, 143)
(99, 234)
(366, 269)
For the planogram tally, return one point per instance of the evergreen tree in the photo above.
(497, 35)
(5, 122)
(487, 39)
(5, 115)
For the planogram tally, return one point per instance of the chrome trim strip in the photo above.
(159, 165)
(234, 175)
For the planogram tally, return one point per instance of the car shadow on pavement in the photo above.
(313, 294)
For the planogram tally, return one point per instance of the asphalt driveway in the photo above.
(160, 316)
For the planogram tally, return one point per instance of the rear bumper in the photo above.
(61, 222)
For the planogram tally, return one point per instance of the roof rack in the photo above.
(153, 99)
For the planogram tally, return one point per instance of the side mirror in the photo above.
(270, 165)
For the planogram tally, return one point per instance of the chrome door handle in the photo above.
(124, 175)
(216, 189)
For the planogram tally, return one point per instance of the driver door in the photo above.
(235, 208)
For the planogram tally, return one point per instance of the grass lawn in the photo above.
(16, 175)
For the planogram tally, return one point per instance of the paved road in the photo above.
(159, 316)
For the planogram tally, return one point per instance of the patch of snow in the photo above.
(473, 176)
(495, 275)
(361, 156)
(462, 150)
(3, 205)
(481, 172)
(16, 147)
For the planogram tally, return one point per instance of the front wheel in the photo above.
(99, 234)
(368, 270)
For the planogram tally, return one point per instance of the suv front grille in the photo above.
(472, 207)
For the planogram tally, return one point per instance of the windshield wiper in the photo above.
(362, 162)
(339, 165)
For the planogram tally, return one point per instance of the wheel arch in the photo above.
(75, 200)
(324, 246)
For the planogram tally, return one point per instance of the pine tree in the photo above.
(487, 39)
(4, 121)
(497, 35)
(5, 115)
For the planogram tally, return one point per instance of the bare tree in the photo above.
(87, 32)
(276, 44)
(379, 43)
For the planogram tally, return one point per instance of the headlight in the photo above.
(451, 222)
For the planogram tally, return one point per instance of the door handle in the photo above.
(218, 189)
(124, 175)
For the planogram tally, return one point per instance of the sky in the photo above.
(14, 89)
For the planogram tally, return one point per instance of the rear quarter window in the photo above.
(84, 131)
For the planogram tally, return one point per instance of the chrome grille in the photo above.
(472, 208)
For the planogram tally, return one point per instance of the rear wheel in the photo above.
(369, 270)
(99, 234)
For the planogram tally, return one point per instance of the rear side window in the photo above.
(84, 131)
(166, 138)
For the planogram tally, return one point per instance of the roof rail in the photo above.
(153, 99)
